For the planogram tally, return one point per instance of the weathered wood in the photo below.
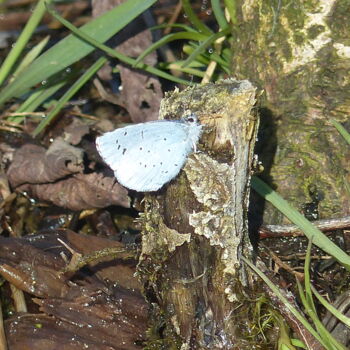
(195, 230)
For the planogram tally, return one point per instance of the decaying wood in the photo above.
(195, 230)
(100, 308)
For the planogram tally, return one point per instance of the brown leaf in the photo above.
(81, 191)
(33, 164)
(143, 103)
(141, 92)
(75, 131)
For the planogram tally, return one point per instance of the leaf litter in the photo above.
(99, 306)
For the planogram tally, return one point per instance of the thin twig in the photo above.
(270, 231)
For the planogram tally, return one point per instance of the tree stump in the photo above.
(195, 229)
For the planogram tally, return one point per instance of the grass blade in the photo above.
(30, 57)
(219, 14)
(72, 48)
(171, 37)
(313, 233)
(287, 304)
(329, 341)
(341, 317)
(210, 40)
(231, 8)
(69, 94)
(178, 67)
(197, 23)
(23, 39)
(115, 54)
(37, 99)
(343, 132)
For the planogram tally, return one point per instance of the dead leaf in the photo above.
(81, 191)
(141, 92)
(34, 164)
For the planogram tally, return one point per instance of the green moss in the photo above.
(294, 12)
(314, 31)
(301, 96)
(298, 38)
(338, 22)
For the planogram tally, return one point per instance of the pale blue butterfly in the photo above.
(146, 156)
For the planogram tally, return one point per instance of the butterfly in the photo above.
(148, 155)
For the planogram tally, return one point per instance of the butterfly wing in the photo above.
(146, 156)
